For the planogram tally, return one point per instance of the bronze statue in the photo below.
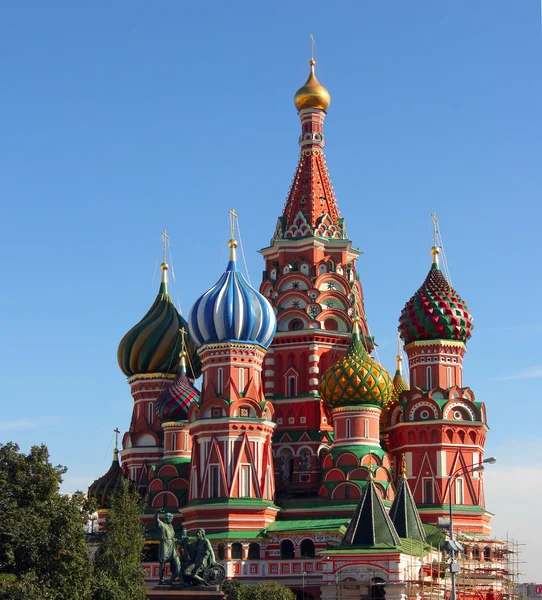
(167, 552)
(199, 556)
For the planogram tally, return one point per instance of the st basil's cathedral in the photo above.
(305, 461)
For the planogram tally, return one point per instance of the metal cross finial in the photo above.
(403, 466)
(312, 46)
(435, 228)
(165, 239)
(233, 216)
(117, 432)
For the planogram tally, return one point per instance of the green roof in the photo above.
(235, 535)
(404, 514)
(370, 525)
(317, 524)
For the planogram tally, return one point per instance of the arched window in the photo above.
(214, 482)
(377, 589)
(241, 380)
(449, 377)
(459, 499)
(427, 491)
(254, 551)
(306, 549)
(476, 553)
(347, 492)
(173, 442)
(150, 409)
(348, 428)
(429, 378)
(366, 428)
(236, 551)
(185, 441)
(287, 551)
(220, 383)
(487, 553)
(221, 551)
(295, 325)
(291, 386)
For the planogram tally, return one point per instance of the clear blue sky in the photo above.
(122, 119)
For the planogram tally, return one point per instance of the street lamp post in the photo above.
(454, 567)
(304, 575)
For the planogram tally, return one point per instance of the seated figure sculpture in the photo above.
(197, 556)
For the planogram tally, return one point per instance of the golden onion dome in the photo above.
(356, 379)
(313, 94)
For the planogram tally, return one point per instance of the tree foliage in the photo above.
(118, 571)
(43, 553)
(267, 590)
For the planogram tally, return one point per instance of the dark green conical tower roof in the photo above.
(102, 489)
(403, 512)
(370, 525)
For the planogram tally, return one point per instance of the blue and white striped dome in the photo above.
(232, 311)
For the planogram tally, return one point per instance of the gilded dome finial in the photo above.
(435, 251)
(313, 94)
(182, 354)
(232, 244)
(403, 467)
(164, 266)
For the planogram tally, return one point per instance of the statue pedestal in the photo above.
(172, 592)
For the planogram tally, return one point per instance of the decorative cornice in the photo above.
(363, 409)
(232, 346)
(156, 376)
(438, 343)
(171, 424)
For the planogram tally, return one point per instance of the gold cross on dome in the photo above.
(233, 216)
(165, 239)
(435, 228)
(117, 432)
(182, 331)
(312, 46)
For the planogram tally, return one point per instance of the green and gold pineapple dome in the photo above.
(154, 344)
(356, 378)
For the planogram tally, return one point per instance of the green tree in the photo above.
(118, 572)
(43, 553)
(267, 590)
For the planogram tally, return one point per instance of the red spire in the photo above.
(311, 208)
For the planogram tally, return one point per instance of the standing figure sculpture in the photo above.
(167, 552)
(201, 556)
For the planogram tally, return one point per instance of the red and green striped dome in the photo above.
(436, 311)
(356, 378)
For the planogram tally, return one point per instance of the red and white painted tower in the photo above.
(149, 356)
(311, 280)
(232, 485)
(437, 424)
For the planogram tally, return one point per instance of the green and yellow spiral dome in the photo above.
(154, 344)
(356, 378)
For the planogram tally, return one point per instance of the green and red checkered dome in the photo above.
(173, 403)
(104, 487)
(436, 311)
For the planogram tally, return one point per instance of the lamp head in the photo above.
(490, 461)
